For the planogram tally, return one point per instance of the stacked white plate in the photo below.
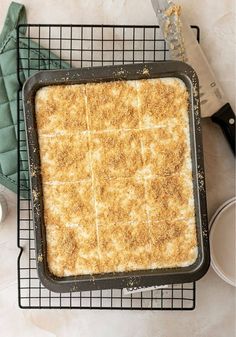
(223, 241)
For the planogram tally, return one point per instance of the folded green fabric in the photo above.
(38, 58)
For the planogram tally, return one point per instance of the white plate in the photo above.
(223, 242)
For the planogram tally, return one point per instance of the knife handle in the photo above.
(225, 118)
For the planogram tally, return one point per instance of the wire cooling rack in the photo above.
(83, 46)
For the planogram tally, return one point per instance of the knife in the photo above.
(183, 46)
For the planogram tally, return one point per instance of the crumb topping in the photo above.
(117, 176)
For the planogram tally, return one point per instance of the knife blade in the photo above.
(183, 46)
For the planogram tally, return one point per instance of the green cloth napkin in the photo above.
(38, 58)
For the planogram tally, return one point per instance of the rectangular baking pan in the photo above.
(104, 74)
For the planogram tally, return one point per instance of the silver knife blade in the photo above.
(183, 46)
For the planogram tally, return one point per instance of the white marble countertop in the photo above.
(214, 315)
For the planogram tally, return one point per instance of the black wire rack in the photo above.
(82, 46)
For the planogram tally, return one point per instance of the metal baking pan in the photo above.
(119, 279)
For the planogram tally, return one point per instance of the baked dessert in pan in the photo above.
(117, 176)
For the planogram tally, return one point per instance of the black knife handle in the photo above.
(225, 118)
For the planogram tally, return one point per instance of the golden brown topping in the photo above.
(173, 243)
(124, 246)
(174, 9)
(112, 105)
(164, 151)
(69, 203)
(120, 201)
(60, 109)
(70, 249)
(159, 103)
(116, 154)
(170, 198)
(116, 173)
(65, 158)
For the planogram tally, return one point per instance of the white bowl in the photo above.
(3, 208)
(223, 241)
